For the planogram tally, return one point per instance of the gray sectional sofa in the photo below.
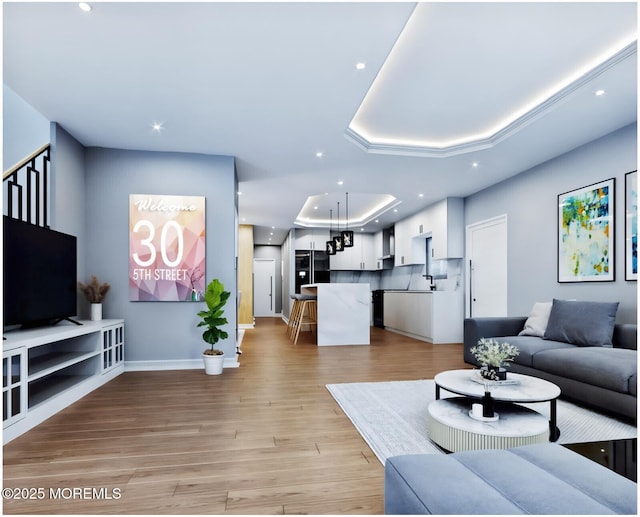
(576, 345)
(543, 479)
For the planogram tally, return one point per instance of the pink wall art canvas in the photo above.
(166, 248)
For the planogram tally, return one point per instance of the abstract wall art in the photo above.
(586, 233)
(631, 225)
(166, 248)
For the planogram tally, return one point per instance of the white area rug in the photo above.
(392, 417)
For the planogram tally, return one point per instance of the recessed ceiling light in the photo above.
(157, 127)
(239, 193)
(474, 164)
(420, 195)
(315, 207)
(319, 154)
(377, 220)
(600, 92)
(340, 182)
(84, 6)
(361, 66)
(395, 209)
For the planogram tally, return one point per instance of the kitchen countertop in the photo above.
(409, 291)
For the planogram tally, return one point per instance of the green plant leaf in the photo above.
(215, 297)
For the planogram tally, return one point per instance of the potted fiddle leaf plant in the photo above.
(212, 319)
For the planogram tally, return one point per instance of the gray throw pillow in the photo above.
(582, 323)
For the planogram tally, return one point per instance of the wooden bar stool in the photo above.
(295, 308)
(306, 314)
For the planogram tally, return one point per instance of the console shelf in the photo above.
(47, 369)
(44, 365)
(41, 392)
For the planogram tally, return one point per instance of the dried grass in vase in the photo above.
(94, 291)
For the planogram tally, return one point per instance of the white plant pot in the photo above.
(213, 364)
(96, 311)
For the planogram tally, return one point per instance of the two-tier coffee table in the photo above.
(451, 426)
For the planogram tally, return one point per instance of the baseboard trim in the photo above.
(178, 364)
(409, 334)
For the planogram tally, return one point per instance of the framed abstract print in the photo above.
(586, 233)
(631, 225)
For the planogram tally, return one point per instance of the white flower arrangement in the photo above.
(491, 353)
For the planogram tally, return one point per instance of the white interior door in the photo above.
(487, 268)
(264, 274)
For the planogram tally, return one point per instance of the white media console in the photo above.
(46, 369)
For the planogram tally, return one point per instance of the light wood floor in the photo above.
(266, 438)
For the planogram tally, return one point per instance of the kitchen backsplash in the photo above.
(402, 278)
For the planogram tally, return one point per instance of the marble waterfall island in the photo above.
(344, 313)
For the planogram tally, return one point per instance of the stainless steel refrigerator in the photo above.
(312, 267)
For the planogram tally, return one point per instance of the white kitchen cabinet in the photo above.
(311, 238)
(378, 239)
(368, 254)
(402, 232)
(384, 248)
(408, 250)
(433, 316)
(443, 222)
(342, 260)
(406, 311)
(359, 257)
(446, 224)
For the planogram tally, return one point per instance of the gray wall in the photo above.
(25, 129)
(67, 183)
(159, 330)
(530, 202)
(67, 206)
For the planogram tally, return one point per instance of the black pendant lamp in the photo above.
(347, 235)
(337, 240)
(331, 248)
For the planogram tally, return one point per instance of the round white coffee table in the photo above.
(451, 427)
(527, 389)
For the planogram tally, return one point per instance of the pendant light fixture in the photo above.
(347, 235)
(337, 240)
(331, 248)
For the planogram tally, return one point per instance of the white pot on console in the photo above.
(96, 311)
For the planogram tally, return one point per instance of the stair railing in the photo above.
(26, 188)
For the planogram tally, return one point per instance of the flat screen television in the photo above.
(39, 274)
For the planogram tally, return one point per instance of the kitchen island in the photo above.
(344, 313)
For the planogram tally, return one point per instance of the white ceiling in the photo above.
(504, 85)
